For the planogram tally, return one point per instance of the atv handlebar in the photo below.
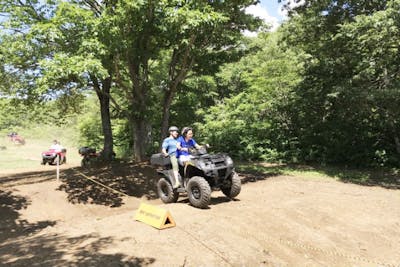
(194, 151)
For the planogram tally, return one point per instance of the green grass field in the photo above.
(38, 139)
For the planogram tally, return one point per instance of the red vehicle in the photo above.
(51, 157)
(16, 138)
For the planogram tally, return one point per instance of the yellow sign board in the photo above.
(154, 216)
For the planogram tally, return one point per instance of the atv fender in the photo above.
(167, 174)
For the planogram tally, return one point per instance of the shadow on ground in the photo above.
(213, 200)
(386, 178)
(57, 250)
(247, 176)
(133, 179)
(23, 244)
(11, 225)
(25, 178)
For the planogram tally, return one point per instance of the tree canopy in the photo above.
(116, 47)
(323, 88)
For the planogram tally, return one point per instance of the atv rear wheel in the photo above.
(165, 191)
(199, 192)
(234, 187)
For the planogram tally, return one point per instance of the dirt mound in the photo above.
(276, 220)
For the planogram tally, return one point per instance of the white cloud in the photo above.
(291, 4)
(262, 13)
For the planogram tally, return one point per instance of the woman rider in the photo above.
(185, 142)
(169, 147)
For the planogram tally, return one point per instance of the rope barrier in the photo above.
(205, 245)
(101, 184)
(183, 230)
(263, 237)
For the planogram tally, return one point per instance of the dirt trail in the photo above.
(276, 221)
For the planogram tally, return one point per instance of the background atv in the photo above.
(90, 156)
(16, 138)
(51, 157)
(204, 173)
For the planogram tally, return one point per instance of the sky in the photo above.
(269, 10)
(273, 8)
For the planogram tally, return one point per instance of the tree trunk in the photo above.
(397, 143)
(104, 98)
(140, 136)
(168, 97)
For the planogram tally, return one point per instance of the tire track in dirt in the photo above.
(277, 221)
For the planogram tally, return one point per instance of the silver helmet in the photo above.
(173, 128)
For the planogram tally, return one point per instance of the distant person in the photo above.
(169, 148)
(56, 146)
(185, 143)
(60, 150)
(13, 135)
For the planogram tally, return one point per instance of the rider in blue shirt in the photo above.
(169, 148)
(185, 142)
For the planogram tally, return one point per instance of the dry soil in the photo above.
(275, 221)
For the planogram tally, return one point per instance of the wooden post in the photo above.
(58, 168)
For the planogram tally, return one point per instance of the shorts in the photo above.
(184, 158)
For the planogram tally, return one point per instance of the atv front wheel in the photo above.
(85, 162)
(199, 192)
(165, 191)
(234, 186)
(55, 161)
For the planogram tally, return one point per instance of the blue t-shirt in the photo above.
(189, 144)
(169, 144)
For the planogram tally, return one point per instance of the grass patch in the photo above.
(38, 139)
(388, 178)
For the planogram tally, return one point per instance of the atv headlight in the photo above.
(229, 161)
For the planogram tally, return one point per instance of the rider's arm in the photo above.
(179, 147)
(165, 147)
(197, 146)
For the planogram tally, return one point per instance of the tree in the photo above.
(345, 108)
(173, 34)
(118, 46)
(56, 54)
(254, 121)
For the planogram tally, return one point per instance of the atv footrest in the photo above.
(181, 190)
